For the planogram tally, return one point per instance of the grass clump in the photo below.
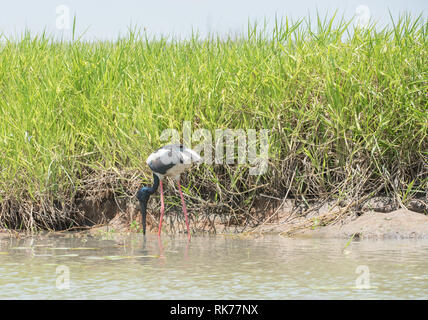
(346, 110)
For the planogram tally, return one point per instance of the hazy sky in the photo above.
(107, 19)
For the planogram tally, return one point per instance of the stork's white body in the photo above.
(172, 160)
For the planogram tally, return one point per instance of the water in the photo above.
(211, 267)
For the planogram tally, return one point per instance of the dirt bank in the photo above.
(398, 224)
(378, 218)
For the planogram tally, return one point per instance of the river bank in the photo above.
(379, 218)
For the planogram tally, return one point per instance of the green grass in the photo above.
(346, 109)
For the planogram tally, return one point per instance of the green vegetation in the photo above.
(346, 109)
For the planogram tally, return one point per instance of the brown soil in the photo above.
(398, 224)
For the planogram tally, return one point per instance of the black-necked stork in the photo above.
(168, 161)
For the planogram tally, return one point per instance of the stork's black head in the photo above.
(143, 196)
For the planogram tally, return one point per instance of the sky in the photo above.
(108, 19)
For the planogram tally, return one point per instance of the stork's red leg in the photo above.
(184, 209)
(162, 208)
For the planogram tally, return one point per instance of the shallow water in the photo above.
(211, 267)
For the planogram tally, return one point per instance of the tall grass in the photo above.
(346, 109)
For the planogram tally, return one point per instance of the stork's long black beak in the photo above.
(143, 197)
(143, 208)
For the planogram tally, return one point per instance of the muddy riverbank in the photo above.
(398, 224)
(378, 218)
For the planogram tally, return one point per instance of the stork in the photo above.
(168, 161)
